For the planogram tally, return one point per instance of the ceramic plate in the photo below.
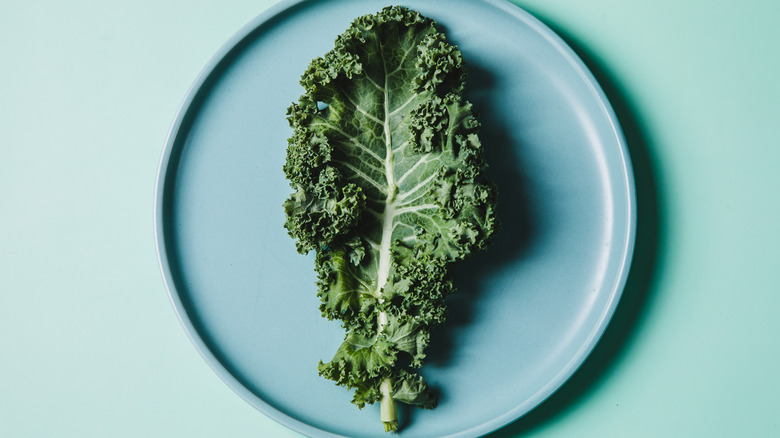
(527, 312)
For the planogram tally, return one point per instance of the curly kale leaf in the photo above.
(387, 169)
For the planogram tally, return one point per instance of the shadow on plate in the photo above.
(645, 267)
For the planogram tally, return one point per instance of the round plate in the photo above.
(528, 311)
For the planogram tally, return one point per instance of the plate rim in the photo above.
(164, 178)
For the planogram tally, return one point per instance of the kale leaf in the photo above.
(387, 169)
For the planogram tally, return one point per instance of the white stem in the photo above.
(388, 215)
(388, 409)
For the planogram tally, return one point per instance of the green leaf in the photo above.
(412, 389)
(387, 170)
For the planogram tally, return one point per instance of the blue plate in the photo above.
(528, 311)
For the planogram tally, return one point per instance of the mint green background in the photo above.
(90, 346)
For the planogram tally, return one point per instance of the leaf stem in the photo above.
(388, 410)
